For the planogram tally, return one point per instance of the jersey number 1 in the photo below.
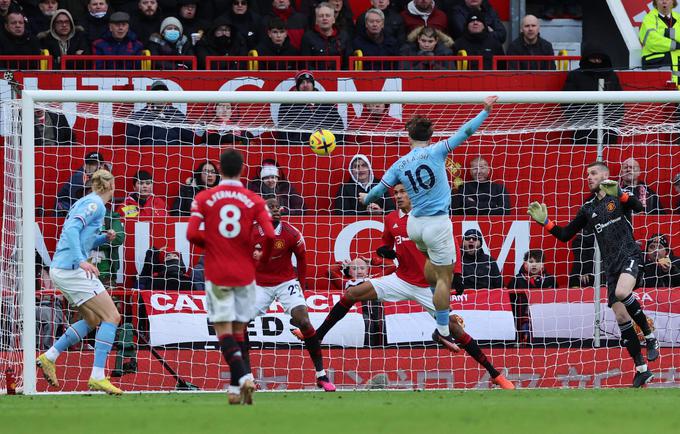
(226, 220)
(419, 177)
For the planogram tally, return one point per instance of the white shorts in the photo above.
(433, 235)
(392, 288)
(289, 294)
(75, 285)
(230, 303)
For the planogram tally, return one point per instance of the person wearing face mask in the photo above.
(271, 182)
(64, 37)
(171, 41)
(220, 40)
(96, 20)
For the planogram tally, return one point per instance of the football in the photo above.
(322, 142)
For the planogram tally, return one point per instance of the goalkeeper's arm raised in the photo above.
(539, 212)
(628, 201)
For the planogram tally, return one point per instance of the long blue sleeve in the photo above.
(375, 193)
(463, 133)
(71, 237)
(101, 239)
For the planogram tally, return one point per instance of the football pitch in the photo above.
(495, 411)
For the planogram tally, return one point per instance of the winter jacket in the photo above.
(316, 44)
(413, 18)
(394, 25)
(108, 46)
(296, 24)
(524, 281)
(70, 192)
(106, 256)
(95, 28)
(13, 46)
(149, 133)
(308, 118)
(458, 19)
(134, 207)
(267, 48)
(145, 26)
(648, 197)
(211, 46)
(654, 276)
(384, 46)
(659, 43)
(52, 130)
(480, 44)
(158, 46)
(519, 47)
(481, 198)
(443, 48)
(347, 197)
(480, 271)
(75, 43)
(290, 200)
(182, 204)
(248, 25)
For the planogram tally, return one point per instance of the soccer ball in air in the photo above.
(322, 142)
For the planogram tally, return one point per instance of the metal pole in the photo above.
(596, 256)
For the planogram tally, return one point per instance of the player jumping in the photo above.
(422, 172)
(77, 278)
(607, 214)
(229, 211)
(407, 283)
(276, 280)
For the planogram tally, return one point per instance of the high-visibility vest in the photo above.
(659, 42)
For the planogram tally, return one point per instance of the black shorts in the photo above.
(629, 265)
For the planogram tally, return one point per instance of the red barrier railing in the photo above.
(273, 63)
(427, 63)
(147, 63)
(39, 62)
(564, 63)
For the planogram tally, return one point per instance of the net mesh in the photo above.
(537, 337)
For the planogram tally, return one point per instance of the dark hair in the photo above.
(599, 164)
(535, 254)
(199, 170)
(231, 163)
(276, 23)
(419, 128)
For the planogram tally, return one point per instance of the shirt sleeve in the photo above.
(388, 181)
(442, 149)
(194, 234)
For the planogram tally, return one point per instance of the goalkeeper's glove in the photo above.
(610, 187)
(457, 284)
(538, 212)
(386, 252)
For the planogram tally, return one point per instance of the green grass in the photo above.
(528, 411)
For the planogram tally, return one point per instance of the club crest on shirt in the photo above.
(611, 206)
(279, 244)
(91, 208)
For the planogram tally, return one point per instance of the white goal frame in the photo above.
(30, 97)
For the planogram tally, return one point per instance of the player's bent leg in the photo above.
(632, 343)
(74, 334)
(441, 301)
(300, 318)
(624, 293)
(362, 292)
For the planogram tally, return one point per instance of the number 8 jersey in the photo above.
(229, 212)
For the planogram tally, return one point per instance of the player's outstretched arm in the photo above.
(539, 212)
(628, 201)
(471, 126)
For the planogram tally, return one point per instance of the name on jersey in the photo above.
(229, 194)
(399, 239)
(411, 159)
(600, 226)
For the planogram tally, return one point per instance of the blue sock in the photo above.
(103, 343)
(73, 335)
(442, 318)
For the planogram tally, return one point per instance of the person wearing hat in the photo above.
(479, 269)
(64, 38)
(419, 13)
(118, 41)
(146, 20)
(171, 41)
(476, 40)
(220, 40)
(459, 14)
(247, 23)
(307, 117)
(74, 188)
(187, 13)
(271, 182)
(142, 202)
(39, 18)
(661, 266)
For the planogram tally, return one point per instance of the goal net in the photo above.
(529, 300)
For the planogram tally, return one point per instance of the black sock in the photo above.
(635, 311)
(631, 342)
(337, 313)
(313, 348)
(244, 345)
(472, 348)
(232, 354)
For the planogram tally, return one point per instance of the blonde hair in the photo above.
(101, 180)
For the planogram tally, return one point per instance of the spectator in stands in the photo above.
(477, 41)
(533, 274)
(74, 189)
(296, 23)
(419, 13)
(271, 182)
(375, 121)
(118, 41)
(479, 269)
(361, 180)
(307, 117)
(659, 26)
(40, 20)
(64, 38)
(96, 22)
(481, 196)
(393, 23)
(205, 175)
(458, 19)
(15, 39)
(530, 43)
(570, 9)
(158, 124)
(223, 129)
(325, 39)
(595, 64)
(246, 22)
(146, 20)
(676, 188)
(582, 272)
(163, 270)
(662, 267)
(372, 39)
(220, 40)
(193, 26)
(344, 19)
(629, 180)
(276, 43)
(427, 41)
(142, 202)
(52, 129)
(106, 257)
(171, 41)
(7, 6)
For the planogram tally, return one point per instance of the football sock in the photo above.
(631, 342)
(73, 335)
(232, 355)
(442, 318)
(244, 344)
(337, 313)
(472, 348)
(313, 348)
(635, 311)
(103, 341)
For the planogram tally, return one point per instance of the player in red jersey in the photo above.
(277, 280)
(229, 211)
(407, 283)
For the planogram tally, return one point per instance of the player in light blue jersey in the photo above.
(77, 278)
(423, 173)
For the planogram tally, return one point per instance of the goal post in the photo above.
(543, 119)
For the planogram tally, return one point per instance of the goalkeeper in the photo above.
(607, 213)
